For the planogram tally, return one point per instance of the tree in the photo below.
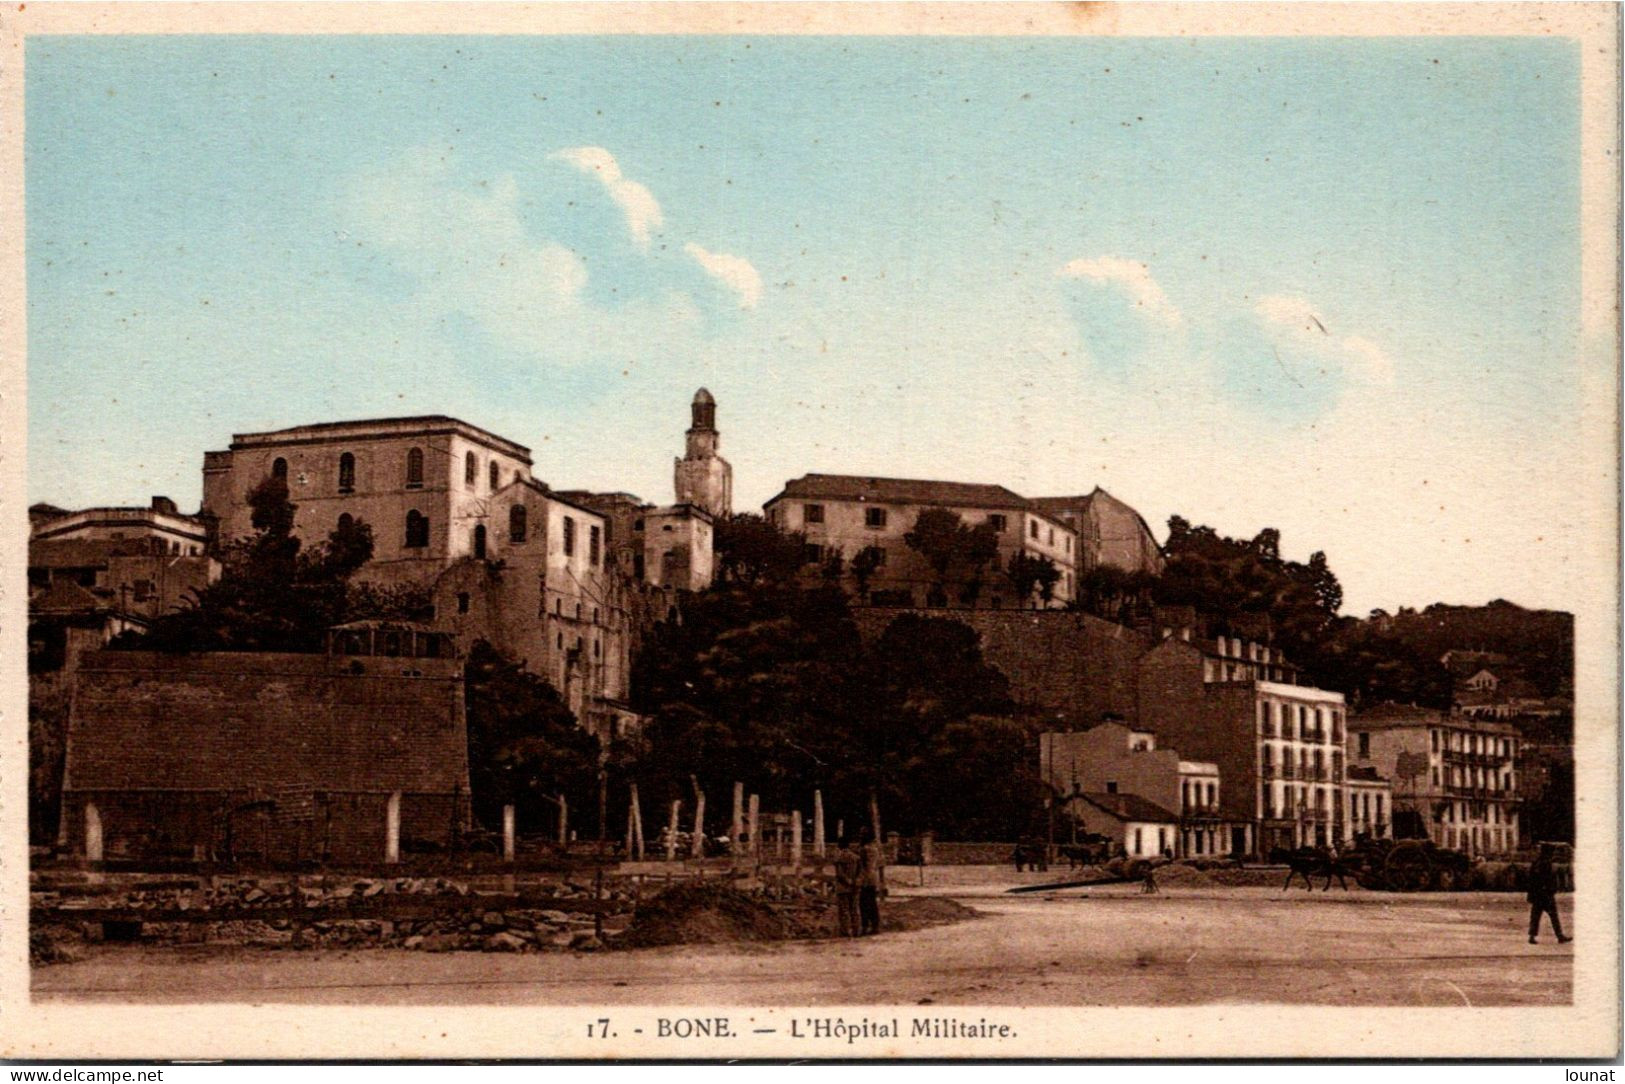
(524, 745)
(1230, 579)
(773, 687)
(272, 594)
(751, 549)
(1029, 574)
(864, 566)
(943, 538)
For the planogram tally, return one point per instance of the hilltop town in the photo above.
(384, 636)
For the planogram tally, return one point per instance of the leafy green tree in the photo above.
(751, 549)
(272, 595)
(1029, 574)
(947, 543)
(1231, 579)
(864, 566)
(524, 745)
(773, 688)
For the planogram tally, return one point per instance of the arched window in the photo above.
(516, 524)
(414, 468)
(279, 468)
(417, 529)
(471, 469)
(346, 472)
(479, 541)
(496, 476)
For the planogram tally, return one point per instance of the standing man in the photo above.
(1543, 895)
(848, 870)
(871, 882)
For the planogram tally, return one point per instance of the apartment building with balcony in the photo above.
(1278, 744)
(1454, 777)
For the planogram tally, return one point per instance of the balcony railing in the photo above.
(1267, 729)
(1288, 771)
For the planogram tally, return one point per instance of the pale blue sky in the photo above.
(1325, 285)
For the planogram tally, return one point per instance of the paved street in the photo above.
(1100, 947)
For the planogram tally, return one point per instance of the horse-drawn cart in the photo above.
(1411, 865)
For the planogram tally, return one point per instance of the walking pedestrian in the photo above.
(1543, 895)
(871, 883)
(848, 869)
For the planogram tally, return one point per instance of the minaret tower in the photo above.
(704, 478)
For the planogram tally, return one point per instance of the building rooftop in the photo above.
(1130, 807)
(84, 552)
(1389, 716)
(427, 424)
(852, 487)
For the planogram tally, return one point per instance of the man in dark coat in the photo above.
(871, 883)
(848, 869)
(1543, 895)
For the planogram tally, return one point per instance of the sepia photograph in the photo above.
(783, 531)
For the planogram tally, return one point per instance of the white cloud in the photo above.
(1356, 355)
(734, 272)
(639, 205)
(1131, 276)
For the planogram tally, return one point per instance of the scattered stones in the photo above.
(506, 942)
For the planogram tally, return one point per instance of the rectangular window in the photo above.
(874, 517)
(812, 513)
(811, 553)
(1365, 744)
(998, 522)
(569, 536)
(1032, 527)
(143, 590)
(595, 538)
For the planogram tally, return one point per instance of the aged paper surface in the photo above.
(1408, 212)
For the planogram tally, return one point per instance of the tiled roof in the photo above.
(1130, 807)
(851, 487)
(65, 597)
(238, 722)
(84, 552)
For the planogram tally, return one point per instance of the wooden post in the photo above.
(634, 829)
(755, 839)
(738, 824)
(874, 818)
(631, 821)
(564, 823)
(392, 829)
(795, 839)
(671, 829)
(698, 846)
(507, 832)
(818, 823)
(93, 833)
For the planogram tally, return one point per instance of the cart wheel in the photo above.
(1409, 870)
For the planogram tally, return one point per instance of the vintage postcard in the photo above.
(792, 531)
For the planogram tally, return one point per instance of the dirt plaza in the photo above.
(1084, 947)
